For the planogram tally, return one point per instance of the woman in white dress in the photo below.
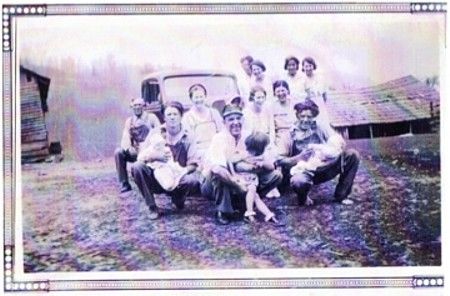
(257, 114)
(259, 118)
(293, 77)
(244, 77)
(201, 121)
(283, 110)
(314, 88)
(259, 77)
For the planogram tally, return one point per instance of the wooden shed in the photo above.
(401, 106)
(33, 106)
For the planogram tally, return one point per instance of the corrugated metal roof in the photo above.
(402, 99)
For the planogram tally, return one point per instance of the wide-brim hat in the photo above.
(307, 105)
(136, 102)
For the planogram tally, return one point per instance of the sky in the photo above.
(352, 49)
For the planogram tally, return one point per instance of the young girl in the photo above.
(259, 117)
(256, 145)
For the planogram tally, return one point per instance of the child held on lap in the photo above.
(256, 145)
(317, 155)
(168, 174)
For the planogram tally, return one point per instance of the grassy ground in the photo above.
(74, 220)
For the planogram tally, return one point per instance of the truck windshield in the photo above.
(218, 87)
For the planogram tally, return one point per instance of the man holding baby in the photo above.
(170, 152)
(230, 155)
(313, 153)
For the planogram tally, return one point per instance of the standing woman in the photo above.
(293, 77)
(314, 87)
(283, 110)
(244, 78)
(257, 114)
(259, 76)
(202, 121)
(258, 117)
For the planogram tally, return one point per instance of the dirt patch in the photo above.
(75, 220)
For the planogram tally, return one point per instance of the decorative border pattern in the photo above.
(426, 281)
(10, 285)
(428, 7)
(230, 8)
(262, 283)
(11, 11)
(7, 149)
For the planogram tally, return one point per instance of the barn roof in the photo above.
(402, 99)
(43, 84)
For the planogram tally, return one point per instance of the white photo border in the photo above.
(11, 12)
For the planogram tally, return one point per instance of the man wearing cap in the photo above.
(226, 149)
(137, 127)
(306, 139)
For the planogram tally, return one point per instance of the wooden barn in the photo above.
(33, 106)
(401, 106)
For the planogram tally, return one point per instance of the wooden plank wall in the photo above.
(34, 135)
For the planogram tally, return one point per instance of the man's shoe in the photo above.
(249, 219)
(125, 188)
(274, 193)
(276, 222)
(221, 219)
(309, 201)
(179, 203)
(154, 214)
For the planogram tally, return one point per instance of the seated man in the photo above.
(181, 151)
(137, 128)
(312, 154)
(228, 148)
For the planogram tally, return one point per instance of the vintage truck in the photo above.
(161, 87)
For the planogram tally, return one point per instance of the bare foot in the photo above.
(309, 201)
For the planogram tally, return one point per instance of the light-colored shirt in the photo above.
(202, 129)
(314, 86)
(244, 87)
(266, 83)
(296, 140)
(137, 129)
(314, 89)
(284, 117)
(224, 149)
(296, 85)
(261, 122)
